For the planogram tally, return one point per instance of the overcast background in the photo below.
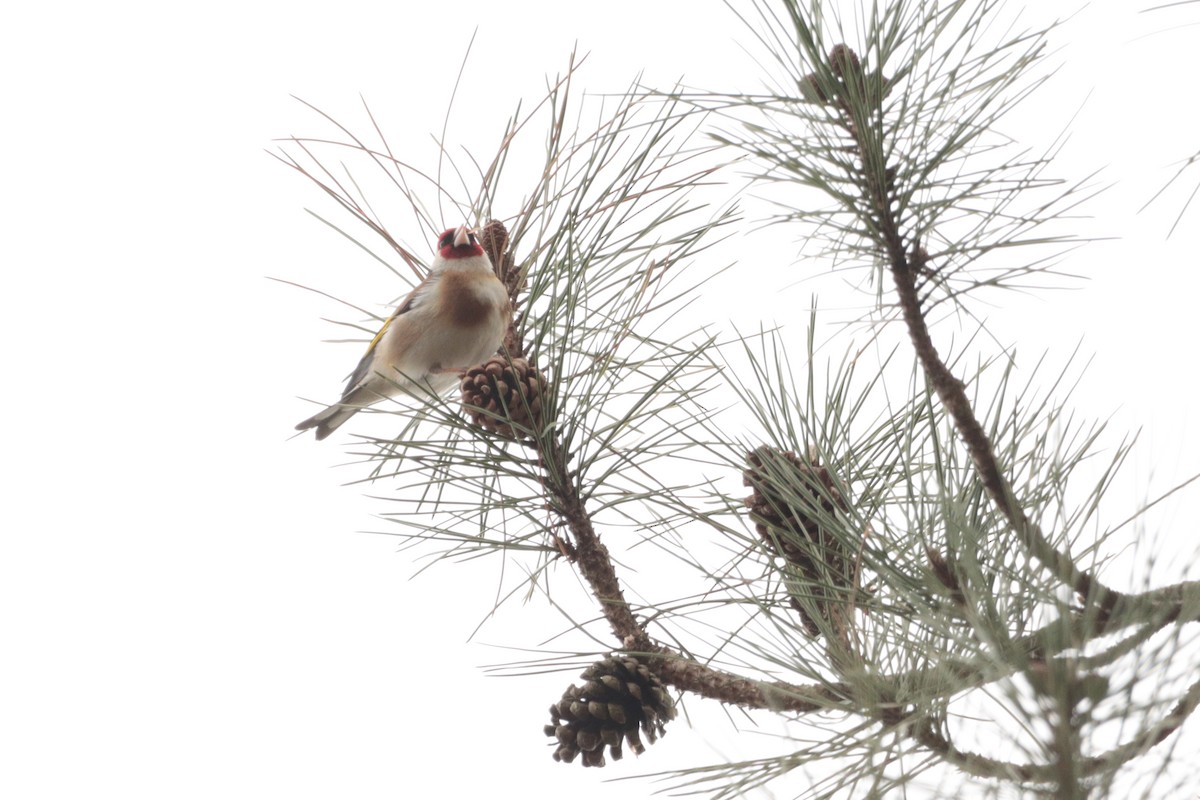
(187, 605)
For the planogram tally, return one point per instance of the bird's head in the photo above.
(458, 242)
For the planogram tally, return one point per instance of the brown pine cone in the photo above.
(494, 240)
(621, 697)
(793, 507)
(946, 574)
(505, 398)
(810, 89)
(845, 63)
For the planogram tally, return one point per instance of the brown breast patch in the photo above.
(469, 307)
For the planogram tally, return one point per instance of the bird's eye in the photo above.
(447, 239)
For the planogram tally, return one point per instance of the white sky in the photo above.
(188, 609)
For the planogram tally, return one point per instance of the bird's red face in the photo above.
(458, 243)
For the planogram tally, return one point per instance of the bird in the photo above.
(454, 319)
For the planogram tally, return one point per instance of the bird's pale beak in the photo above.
(462, 236)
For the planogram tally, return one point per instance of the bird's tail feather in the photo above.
(328, 420)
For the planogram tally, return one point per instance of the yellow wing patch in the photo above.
(387, 323)
(364, 364)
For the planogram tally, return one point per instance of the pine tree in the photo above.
(911, 560)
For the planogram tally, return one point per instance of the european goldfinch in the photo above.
(454, 319)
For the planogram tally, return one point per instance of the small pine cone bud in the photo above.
(620, 699)
(504, 398)
(844, 62)
(494, 241)
(793, 505)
